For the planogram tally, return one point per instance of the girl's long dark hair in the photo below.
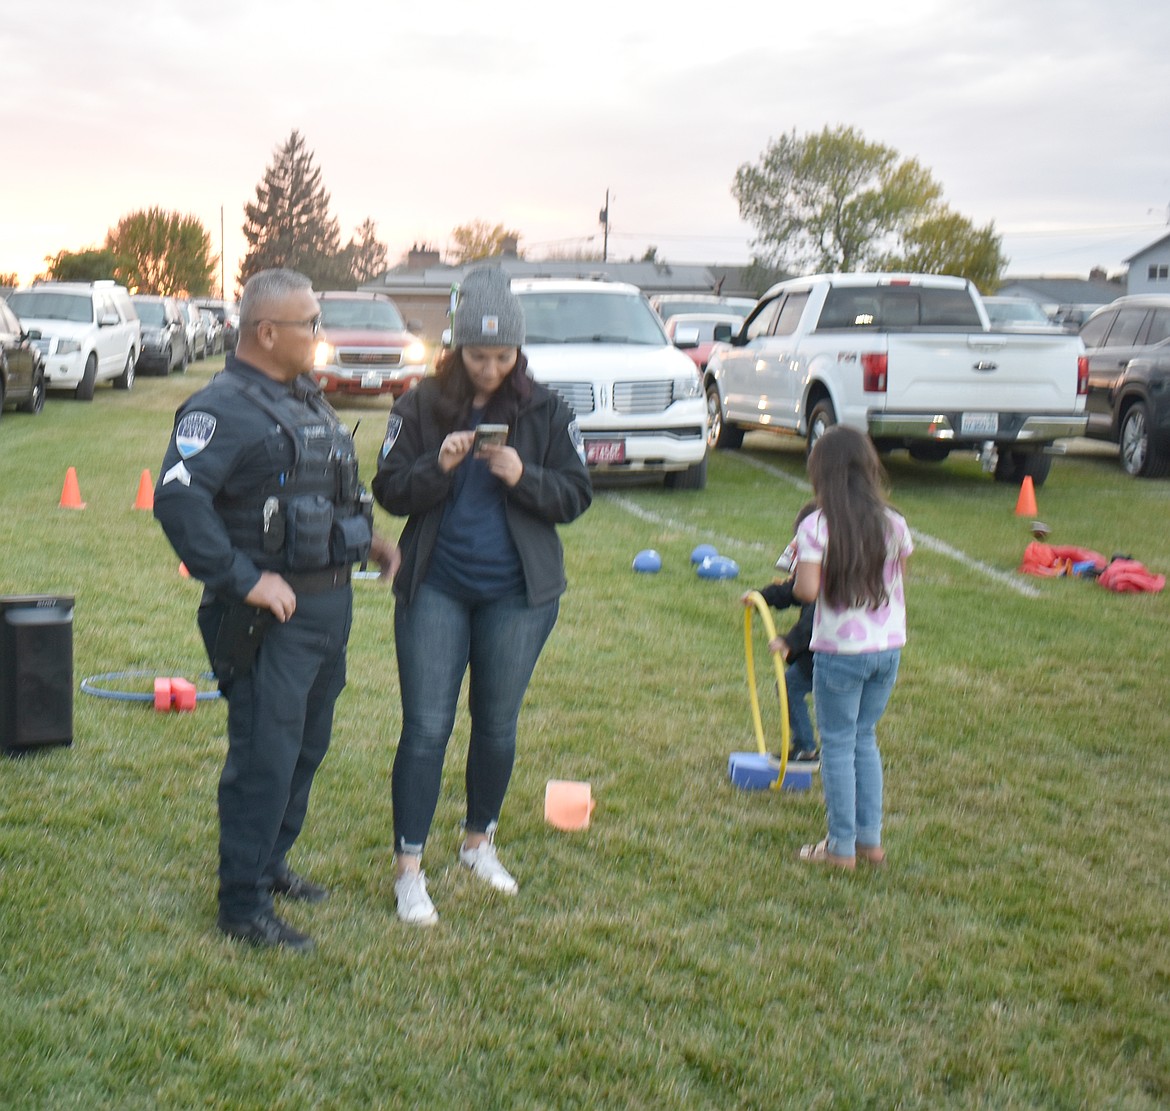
(850, 486)
(457, 392)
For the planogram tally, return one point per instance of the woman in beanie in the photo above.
(482, 568)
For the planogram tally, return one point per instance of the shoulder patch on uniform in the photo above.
(577, 439)
(194, 433)
(393, 427)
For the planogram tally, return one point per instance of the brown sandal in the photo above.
(819, 854)
(873, 855)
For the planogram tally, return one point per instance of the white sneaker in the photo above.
(484, 863)
(414, 904)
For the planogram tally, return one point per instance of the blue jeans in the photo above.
(800, 728)
(439, 637)
(851, 693)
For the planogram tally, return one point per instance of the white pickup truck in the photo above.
(908, 358)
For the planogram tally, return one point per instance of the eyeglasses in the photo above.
(313, 323)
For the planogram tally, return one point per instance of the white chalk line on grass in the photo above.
(932, 543)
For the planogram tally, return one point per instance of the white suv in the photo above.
(88, 332)
(638, 398)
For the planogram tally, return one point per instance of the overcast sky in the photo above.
(1049, 118)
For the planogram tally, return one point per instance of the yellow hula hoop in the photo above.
(760, 606)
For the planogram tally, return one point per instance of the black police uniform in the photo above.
(260, 475)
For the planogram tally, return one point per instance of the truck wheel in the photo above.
(820, 420)
(1015, 466)
(720, 434)
(84, 390)
(125, 380)
(693, 478)
(1139, 457)
(929, 451)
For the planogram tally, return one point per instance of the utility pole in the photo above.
(603, 219)
(222, 295)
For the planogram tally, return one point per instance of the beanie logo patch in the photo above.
(490, 326)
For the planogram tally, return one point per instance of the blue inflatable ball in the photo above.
(702, 552)
(648, 561)
(717, 567)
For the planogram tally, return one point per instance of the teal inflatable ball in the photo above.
(702, 552)
(648, 561)
(717, 567)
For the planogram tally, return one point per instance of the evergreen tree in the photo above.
(367, 256)
(289, 224)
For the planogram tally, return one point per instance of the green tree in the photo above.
(479, 239)
(90, 265)
(162, 252)
(830, 201)
(366, 255)
(289, 223)
(944, 242)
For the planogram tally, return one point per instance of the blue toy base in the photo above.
(750, 771)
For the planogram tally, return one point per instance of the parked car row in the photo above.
(85, 333)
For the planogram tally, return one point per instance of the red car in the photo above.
(702, 324)
(364, 347)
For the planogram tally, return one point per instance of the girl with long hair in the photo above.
(851, 556)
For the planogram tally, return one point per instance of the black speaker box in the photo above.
(36, 672)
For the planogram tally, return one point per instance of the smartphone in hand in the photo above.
(489, 434)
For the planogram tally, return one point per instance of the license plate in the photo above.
(371, 380)
(605, 451)
(980, 424)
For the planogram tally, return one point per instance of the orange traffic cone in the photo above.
(71, 492)
(145, 499)
(1026, 503)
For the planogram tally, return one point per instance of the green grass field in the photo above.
(1013, 954)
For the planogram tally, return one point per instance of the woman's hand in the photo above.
(454, 450)
(504, 462)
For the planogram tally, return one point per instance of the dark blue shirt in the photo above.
(475, 558)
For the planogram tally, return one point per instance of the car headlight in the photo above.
(687, 386)
(67, 346)
(325, 355)
(415, 353)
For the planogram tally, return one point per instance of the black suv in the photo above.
(1128, 346)
(22, 366)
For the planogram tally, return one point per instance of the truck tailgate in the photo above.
(1009, 373)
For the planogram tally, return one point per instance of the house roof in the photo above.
(1065, 291)
(1151, 247)
(650, 277)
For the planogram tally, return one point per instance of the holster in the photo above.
(233, 641)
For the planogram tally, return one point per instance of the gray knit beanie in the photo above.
(488, 313)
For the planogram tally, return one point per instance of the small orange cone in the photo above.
(1026, 503)
(145, 499)
(71, 492)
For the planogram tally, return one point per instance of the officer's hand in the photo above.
(386, 555)
(504, 462)
(273, 593)
(454, 450)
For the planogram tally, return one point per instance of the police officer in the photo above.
(259, 495)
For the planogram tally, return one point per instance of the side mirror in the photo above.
(108, 320)
(33, 333)
(686, 337)
(722, 333)
(414, 326)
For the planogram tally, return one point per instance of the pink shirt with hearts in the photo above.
(855, 630)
